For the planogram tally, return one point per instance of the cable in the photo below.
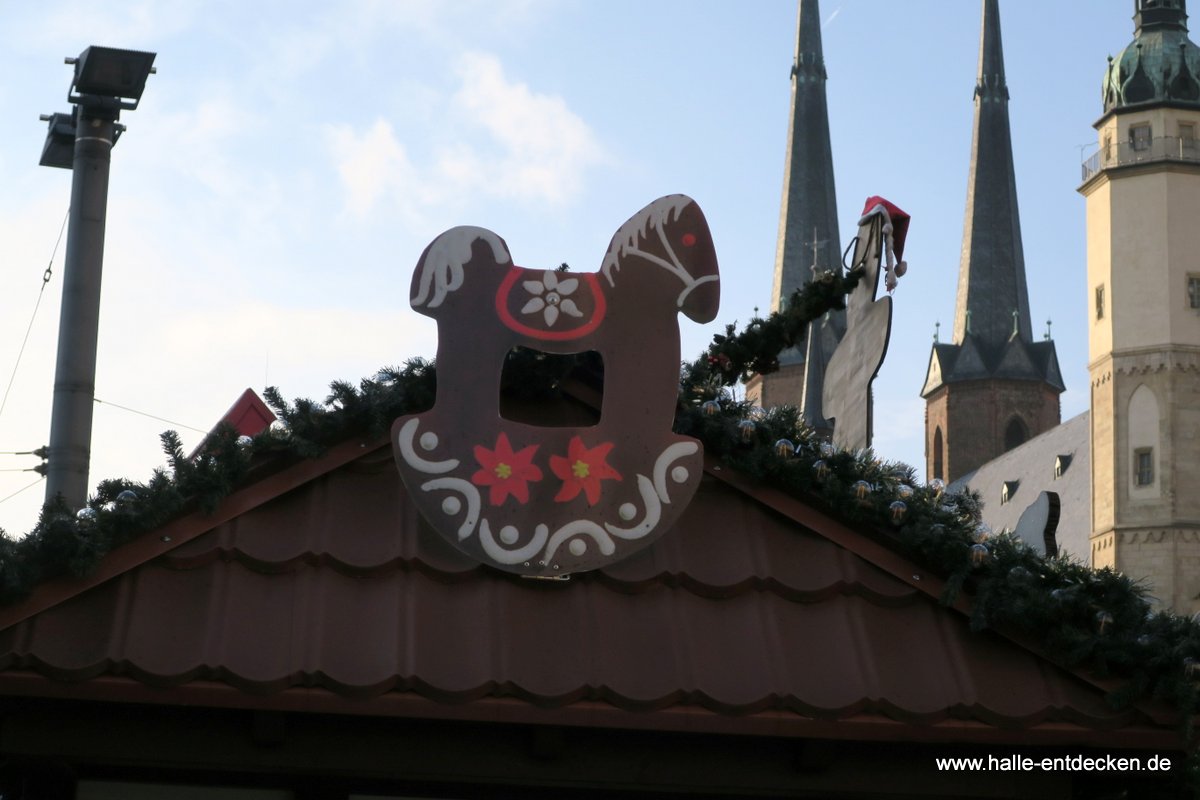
(151, 416)
(45, 280)
(18, 491)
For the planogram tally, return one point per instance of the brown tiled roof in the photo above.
(320, 589)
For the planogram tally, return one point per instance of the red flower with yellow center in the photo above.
(582, 470)
(505, 472)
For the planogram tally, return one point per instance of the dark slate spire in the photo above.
(808, 214)
(993, 386)
(808, 232)
(991, 277)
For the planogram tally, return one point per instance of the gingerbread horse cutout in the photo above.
(544, 501)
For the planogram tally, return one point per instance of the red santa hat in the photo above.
(898, 217)
(895, 228)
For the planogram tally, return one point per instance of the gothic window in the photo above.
(1143, 466)
(1100, 302)
(939, 471)
(1143, 427)
(1015, 434)
(1193, 290)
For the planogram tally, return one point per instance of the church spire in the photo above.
(992, 387)
(808, 233)
(808, 215)
(991, 278)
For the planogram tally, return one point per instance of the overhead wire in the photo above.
(49, 273)
(18, 491)
(46, 276)
(151, 416)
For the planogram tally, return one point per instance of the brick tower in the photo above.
(992, 387)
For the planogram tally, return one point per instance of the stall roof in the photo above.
(320, 589)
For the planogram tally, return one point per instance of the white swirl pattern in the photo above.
(654, 494)
(469, 493)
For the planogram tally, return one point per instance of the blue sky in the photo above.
(290, 161)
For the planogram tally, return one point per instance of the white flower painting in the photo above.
(551, 297)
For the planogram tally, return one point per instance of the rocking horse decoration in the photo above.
(855, 363)
(543, 501)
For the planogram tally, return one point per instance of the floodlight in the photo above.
(112, 72)
(59, 150)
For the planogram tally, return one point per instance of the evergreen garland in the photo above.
(1098, 621)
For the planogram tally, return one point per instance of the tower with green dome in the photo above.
(1142, 190)
(1161, 65)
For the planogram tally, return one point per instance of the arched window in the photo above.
(1015, 434)
(939, 470)
(1144, 421)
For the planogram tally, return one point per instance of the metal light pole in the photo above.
(106, 82)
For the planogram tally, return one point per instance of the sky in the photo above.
(290, 160)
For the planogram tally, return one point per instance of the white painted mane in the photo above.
(442, 270)
(659, 213)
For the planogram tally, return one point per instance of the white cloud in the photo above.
(544, 148)
(369, 164)
(206, 132)
(492, 137)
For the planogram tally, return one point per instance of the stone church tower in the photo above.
(993, 387)
(808, 232)
(1142, 190)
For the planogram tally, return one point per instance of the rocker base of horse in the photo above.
(544, 501)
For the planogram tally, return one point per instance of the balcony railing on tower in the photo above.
(1163, 148)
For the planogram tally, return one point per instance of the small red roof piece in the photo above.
(326, 592)
(249, 415)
